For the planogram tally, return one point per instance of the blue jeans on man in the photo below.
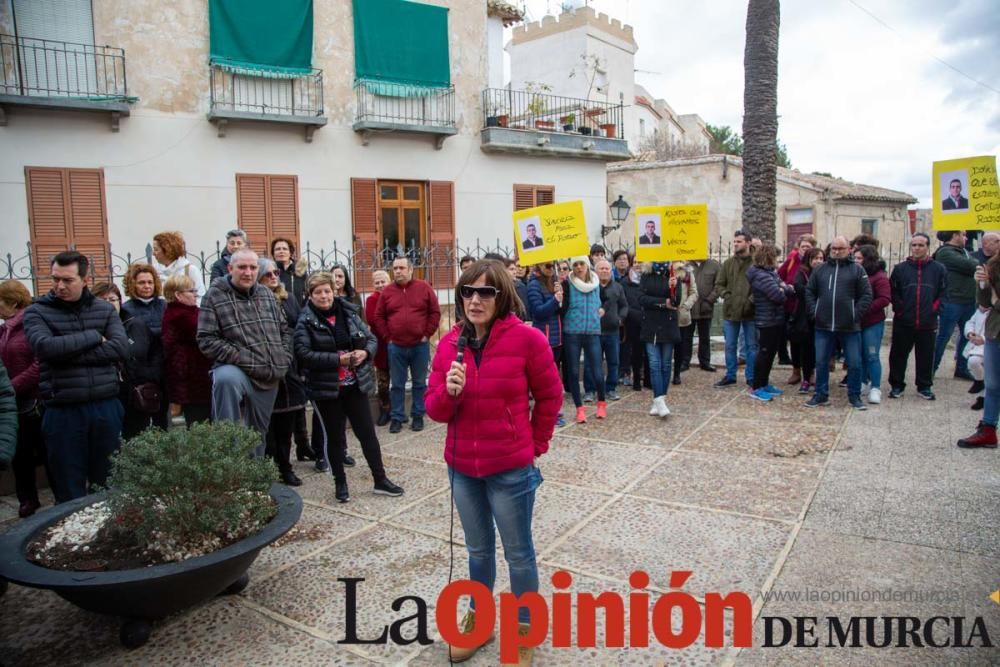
(731, 331)
(410, 361)
(507, 499)
(80, 440)
(850, 343)
(953, 314)
(611, 348)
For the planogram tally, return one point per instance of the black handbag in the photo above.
(146, 397)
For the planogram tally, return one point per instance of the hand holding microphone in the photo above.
(454, 381)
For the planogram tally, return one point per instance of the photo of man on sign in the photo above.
(530, 235)
(953, 183)
(650, 237)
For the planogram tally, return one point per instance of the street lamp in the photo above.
(619, 212)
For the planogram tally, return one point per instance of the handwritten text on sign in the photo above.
(966, 194)
(682, 232)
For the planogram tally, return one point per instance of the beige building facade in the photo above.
(806, 203)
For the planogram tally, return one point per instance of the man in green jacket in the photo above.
(959, 302)
(737, 309)
(8, 419)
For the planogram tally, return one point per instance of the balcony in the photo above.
(250, 95)
(65, 76)
(531, 123)
(382, 106)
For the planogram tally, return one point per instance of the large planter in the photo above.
(143, 595)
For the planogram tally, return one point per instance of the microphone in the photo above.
(463, 340)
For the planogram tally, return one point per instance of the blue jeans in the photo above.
(591, 346)
(952, 314)
(850, 343)
(871, 345)
(731, 331)
(991, 368)
(661, 357)
(81, 439)
(611, 348)
(507, 499)
(413, 360)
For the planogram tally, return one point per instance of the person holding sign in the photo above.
(650, 237)
(660, 332)
(582, 312)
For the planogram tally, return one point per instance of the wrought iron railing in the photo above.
(528, 110)
(404, 104)
(266, 94)
(46, 68)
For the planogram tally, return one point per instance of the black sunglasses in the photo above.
(485, 292)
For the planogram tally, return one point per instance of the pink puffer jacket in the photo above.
(491, 427)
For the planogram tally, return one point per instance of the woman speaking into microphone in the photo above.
(483, 374)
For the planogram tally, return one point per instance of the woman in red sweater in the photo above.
(188, 381)
(494, 434)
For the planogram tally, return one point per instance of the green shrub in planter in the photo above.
(184, 489)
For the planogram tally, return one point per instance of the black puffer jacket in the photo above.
(220, 267)
(801, 326)
(838, 295)
(78, 345)
(291, 394)
(768, 296)
(633, 292)
(151, 313)
(144, 362)
(319, 359)
(659, 323)
(917, 290)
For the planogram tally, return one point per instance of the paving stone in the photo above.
(726, 553)
(774, 489)
(784, 439)
(596, 465)
(632, 427)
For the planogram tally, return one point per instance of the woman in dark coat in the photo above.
(659, 330)
(142, 286)
(544, 299)
(291, 397)
(189, 384)
(769, 295)
(334, 349)
(803, 329)
(873, 321)
(635, 357)
(16, 354)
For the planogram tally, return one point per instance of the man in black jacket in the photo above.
(837, 296)
(78, 341)
(235, 240)
(918, 284)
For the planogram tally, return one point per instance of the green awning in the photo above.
(403, 43)
(262, 35)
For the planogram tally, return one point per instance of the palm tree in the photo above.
(760, 117)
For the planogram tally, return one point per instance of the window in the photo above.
(401, 210)
(67, 208)
(530, 196)
(267, 207)
(798, 221)
(55, 70)
(869, 226)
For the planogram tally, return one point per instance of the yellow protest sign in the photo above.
(552, 232)
(966, 194)
(671, 233)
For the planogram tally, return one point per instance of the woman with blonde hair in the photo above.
(170, 259)
(189, 383)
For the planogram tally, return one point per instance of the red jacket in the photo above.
(491, 426)
(382, 354)
(16, 354)
(188, 380)
(881, 297)
(406, 314)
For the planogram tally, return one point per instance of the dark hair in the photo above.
(496, 275)
(864, 239)
(871, 261)
(291, 245)
(495, 256)
(404, 256)
(597, 248)
(766, 255)
(466, 258)
(619, 253)
(100, 289)
(944, 237)
(349, 291)
(810, 255)
(741, 232)
(953, 181)
(68, 257)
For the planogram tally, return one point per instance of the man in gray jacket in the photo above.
(837, 296)
(243, 329)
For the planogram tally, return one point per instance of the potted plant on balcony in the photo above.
(608, 129)
(568, 122)
(498, 117)
(185, 515)
(537, 103)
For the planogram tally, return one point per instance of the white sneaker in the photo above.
(654, 411)
(875, 396)
(660, 403)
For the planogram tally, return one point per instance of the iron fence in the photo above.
(249, 91)
(526, 110)
(47, 68)
(404, 104)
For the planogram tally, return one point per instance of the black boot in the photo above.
(977, 386)
(341, 492)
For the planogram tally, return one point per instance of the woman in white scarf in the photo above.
(582, 313)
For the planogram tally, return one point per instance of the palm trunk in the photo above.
(760, 118)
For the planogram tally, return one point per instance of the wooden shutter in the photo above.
(267, 206)
(441, 272)
(364, 228)
(530, 196)
(67, 209)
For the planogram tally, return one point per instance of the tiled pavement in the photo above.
(752, 497)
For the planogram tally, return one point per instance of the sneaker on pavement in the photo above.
(340, 491)
(560, 420)
(384, 487)
(774, 391)
(804, 387)
(761, 394)
(588, 397)
(875, 396)
(417, 424)
(322, 465)
(856, 403)
(842, 383)
(926, 394)
(349, 461)
(725, 382)
(395, 426)
(581, 415)
(383, 419)
(817, 400)
(613, 396)
(895, 392)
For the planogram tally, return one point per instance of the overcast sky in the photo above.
(864, 99)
